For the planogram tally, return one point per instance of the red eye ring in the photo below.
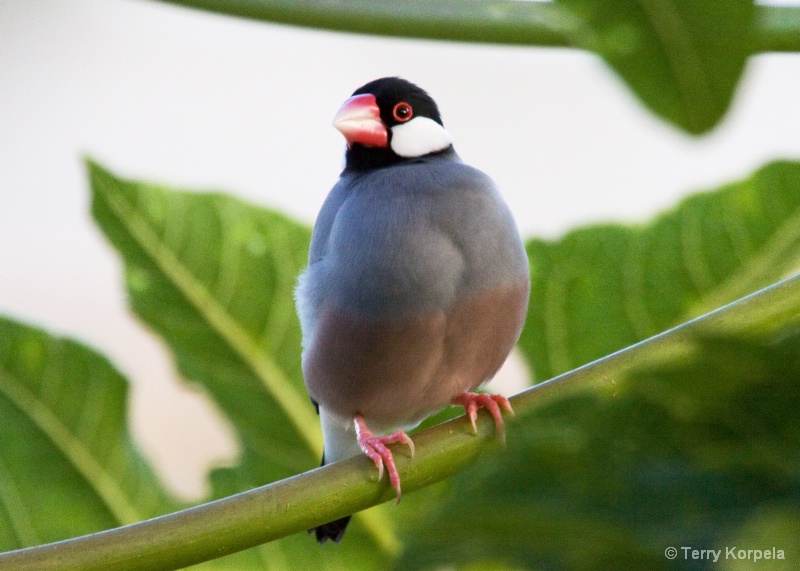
(402, 112)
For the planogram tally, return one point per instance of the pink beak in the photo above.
(359, 120)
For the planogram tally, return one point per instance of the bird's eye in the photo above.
(402, 112)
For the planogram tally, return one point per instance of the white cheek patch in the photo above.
(419, 137)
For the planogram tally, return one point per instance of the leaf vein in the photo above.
(244, 345)
(19, 516)
(105, 484)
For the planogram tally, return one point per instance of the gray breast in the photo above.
(412, 239)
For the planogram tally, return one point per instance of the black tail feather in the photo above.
(333, 530)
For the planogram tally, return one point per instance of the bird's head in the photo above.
(390, 120)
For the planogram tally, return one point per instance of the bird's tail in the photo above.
(333, 530)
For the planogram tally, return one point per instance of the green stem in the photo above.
(487, 21)
(293, 505)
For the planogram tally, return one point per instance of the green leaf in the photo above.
(539, 23)
(701, 451)
(67, 463)
(682, 58)
(599, 289)
(493, 21)
(214, 277)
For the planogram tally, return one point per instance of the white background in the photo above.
(203, 101)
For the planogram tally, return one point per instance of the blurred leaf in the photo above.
(67, 463)
(682, 58)
(494, 21)
(215, 278)
(509, 22)
(698, 452)
(602, 288)
(773, 526)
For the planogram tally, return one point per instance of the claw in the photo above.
(375, 447)
(493, 403)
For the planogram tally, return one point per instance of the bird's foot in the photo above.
(493, 403)
(375, 447)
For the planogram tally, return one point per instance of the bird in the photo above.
(417, 283)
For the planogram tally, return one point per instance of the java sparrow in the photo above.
(417, 282)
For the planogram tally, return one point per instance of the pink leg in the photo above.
(375, 447)
(493, 403)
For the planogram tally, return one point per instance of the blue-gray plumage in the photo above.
(417, 284)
